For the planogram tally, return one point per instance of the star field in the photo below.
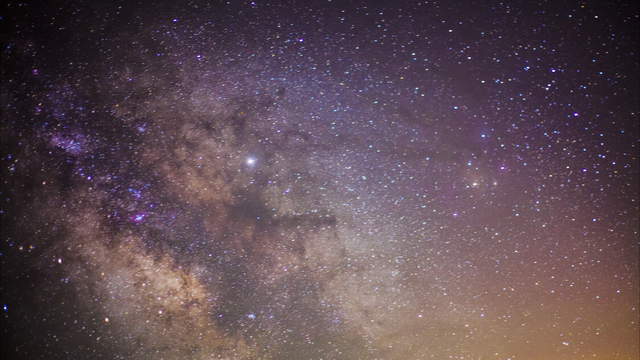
(320, 180)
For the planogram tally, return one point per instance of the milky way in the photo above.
(320, 180)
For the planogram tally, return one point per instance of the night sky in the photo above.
(390, 180)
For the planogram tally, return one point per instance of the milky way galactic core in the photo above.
(248, 180)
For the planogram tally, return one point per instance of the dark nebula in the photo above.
(251, 180)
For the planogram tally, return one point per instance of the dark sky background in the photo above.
(390, 180)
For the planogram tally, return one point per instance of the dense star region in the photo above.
(247, 180)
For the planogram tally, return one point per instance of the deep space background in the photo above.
(249, 180)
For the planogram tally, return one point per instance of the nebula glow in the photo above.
(320, 180)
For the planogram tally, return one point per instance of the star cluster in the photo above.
(320, 180)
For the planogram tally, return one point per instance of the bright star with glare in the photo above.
(251, 161)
